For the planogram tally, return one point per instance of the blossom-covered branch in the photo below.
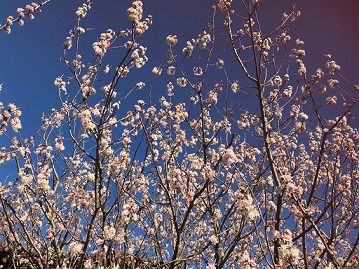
(28, 11)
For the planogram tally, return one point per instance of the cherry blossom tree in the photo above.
(242, 163)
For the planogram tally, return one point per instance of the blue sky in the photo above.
(30, 55)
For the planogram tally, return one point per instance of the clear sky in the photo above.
(30, 55)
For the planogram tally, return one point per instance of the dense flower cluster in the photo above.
(82, 10)
(10, 115)
(172, 40)
(100, 47)
(135, 12)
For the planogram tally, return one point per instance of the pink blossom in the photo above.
(30, 8)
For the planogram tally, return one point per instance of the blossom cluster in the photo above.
(28, 11)
(10, 115)
(101, 47)
(81, 12)
(202, 41)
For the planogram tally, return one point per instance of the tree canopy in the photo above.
(231, 155)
